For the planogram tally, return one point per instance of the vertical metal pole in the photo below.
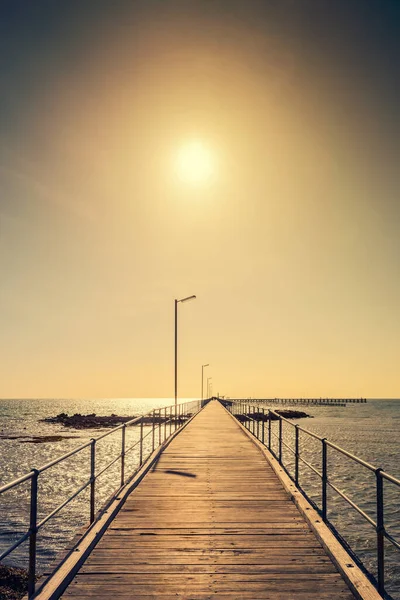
(123, 455)
(269, 429)
(176, 352)
(141, 442)
(92, 479)
(33, 533)
(380, 530)
(153, 430)
(159, 427)
(280, 440)
(263, 426)
(324, 478)
(296, 456)
(175, 416)
(258, 424)
(165, 423)
(170, 420)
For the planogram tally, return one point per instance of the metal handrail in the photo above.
(360, 461)
(353, 504)
(390, 478)
(108, 466)
(9, 486)
(15, 545)
(56, 461)
(61, 506)
(176, 415)
(380, 475)
(309, 465)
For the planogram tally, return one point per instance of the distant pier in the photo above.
(307, 401)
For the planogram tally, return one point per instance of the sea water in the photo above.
(370, 431)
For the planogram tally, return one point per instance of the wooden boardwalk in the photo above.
(211, 519)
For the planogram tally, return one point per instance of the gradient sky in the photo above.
(293, 248)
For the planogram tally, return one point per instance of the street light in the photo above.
(202, 379)
(208, 379)
(176, 344)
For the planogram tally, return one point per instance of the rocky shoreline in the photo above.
(93, 421)
(263, 416)
(38, 439)
(13, 582)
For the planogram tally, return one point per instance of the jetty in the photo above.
(308, 401)
(210, 517)
(211, 511)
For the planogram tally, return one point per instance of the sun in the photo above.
(195, 163)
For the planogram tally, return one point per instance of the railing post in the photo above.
(92, 479)
(269, 429)
(258, 424)
(324, 478)
(175, 416)
(280, 440)
(296, 455)
(123, 455)
(33, 534)
(170, 421)
(153, 430)
(263, 426)
(159, 426)
(380, 530)
(165, 423)
(141, 443)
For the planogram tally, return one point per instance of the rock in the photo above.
(260, 416)
(37, 439)
(13, 582)
(293, 414)
(78, 421)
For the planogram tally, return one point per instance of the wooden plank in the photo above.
(210, 517)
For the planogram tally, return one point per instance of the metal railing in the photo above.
(259, 422)
(161, 424)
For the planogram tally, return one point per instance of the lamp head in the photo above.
(187, 299)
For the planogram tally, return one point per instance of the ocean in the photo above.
(370, 431)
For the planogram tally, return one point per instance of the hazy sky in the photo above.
(292, 247)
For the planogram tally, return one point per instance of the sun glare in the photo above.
(195, 163)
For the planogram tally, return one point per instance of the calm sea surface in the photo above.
(371, 431)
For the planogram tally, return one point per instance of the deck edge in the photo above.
(357, 581)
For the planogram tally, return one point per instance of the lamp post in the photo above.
(176, 343)
(202, 379)
(208, 386)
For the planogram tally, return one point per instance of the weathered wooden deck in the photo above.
(210, 519)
